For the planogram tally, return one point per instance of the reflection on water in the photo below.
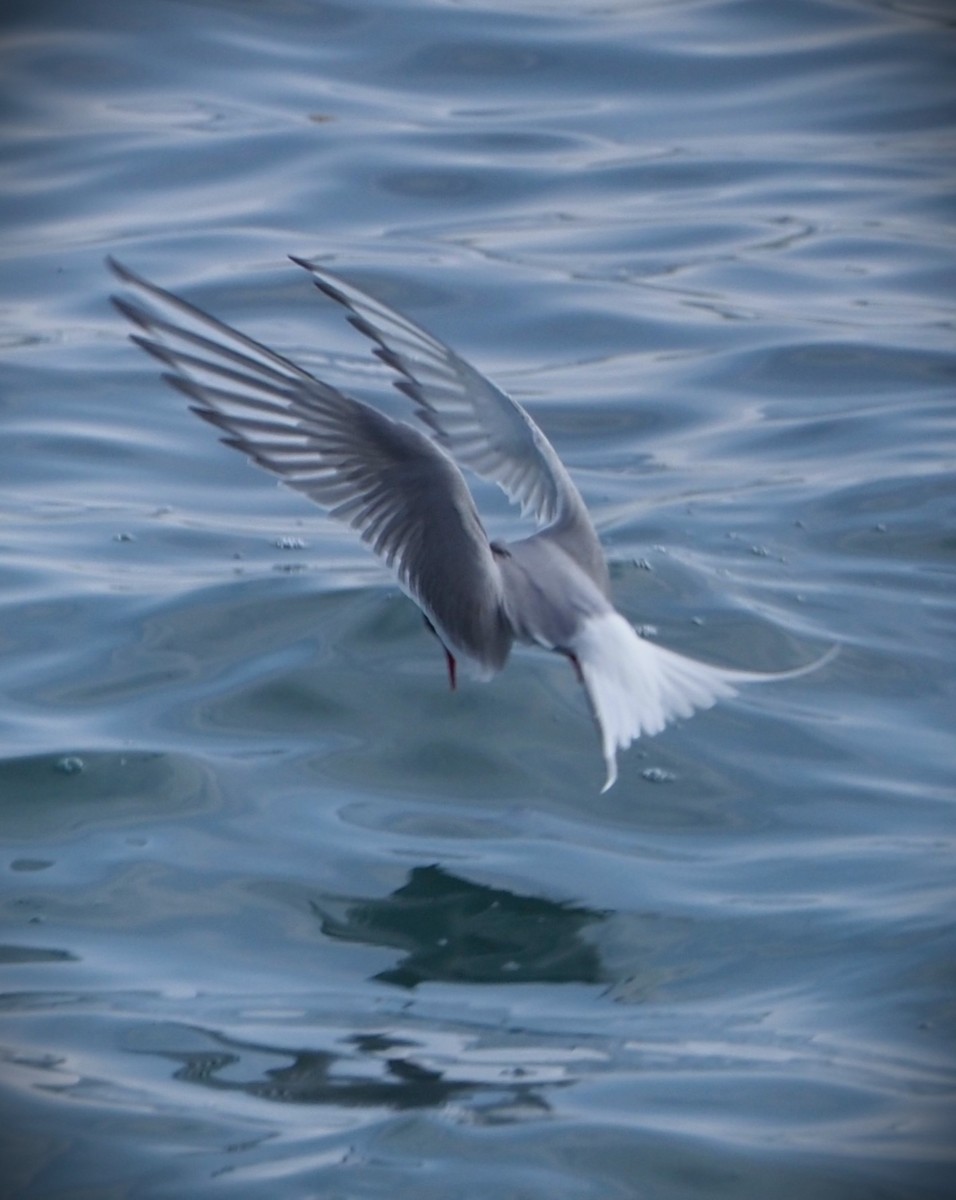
(455, 930)
(365, 1070)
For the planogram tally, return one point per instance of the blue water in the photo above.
(282, 916)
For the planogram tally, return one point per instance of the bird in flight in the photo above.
(401, 487)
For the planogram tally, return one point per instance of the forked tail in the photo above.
(635, 686)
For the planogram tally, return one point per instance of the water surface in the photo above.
(281, 914)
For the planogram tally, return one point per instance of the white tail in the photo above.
(635, 686)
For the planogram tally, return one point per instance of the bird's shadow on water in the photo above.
(453, 930)
(449, 929)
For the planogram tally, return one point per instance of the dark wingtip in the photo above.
(156, 349)
(132, 312)
(324, 280)
(188, 387)
(121, 272)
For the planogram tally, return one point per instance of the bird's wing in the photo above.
(635, 686)
(402, 493)
(480, 425)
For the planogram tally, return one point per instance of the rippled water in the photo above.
(283, 916)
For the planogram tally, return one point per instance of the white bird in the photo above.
(401, 487)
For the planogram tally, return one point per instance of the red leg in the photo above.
(574, 663)
(452, 665)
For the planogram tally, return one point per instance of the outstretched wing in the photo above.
(402, 493)
(482, 427)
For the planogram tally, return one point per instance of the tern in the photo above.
(401, 487)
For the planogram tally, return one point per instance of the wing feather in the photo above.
(395, 486)
(482, 427)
